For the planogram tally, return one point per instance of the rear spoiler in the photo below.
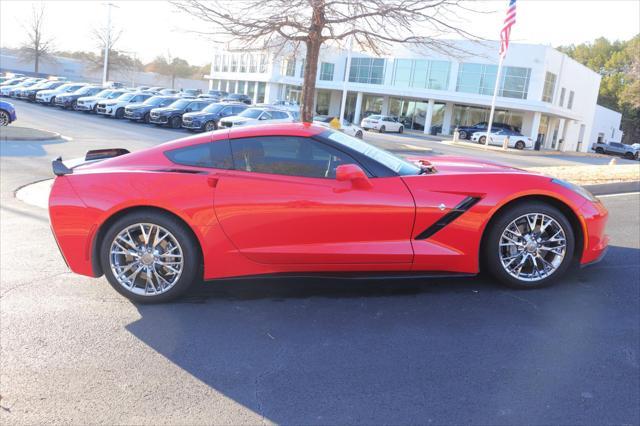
(61, 168)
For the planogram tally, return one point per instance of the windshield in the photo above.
(72, 88)
(251, 113)
(154, 100)
(63, 87)
(114, 95)
(126, 96)
(383, 157)
(103, 94)
(374, 117)
(181, 103)
(213, 108)
(84, 90)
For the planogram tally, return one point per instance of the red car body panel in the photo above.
(253, 223)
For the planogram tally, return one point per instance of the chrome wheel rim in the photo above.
(4, 118)
(532, 247)
(209, 127)
(146, 259)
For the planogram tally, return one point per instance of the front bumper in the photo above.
(594, 218)
(133, 115)
(84, 107)
(194, 125)
(106, 110)
(158, 119)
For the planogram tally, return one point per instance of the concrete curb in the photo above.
(549, 153)
(26, 134)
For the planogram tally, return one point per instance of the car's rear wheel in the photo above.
(52, 101)
(462, 134)
(401, 129)
(175, 122)
(519, 145)
(359, 134)
(4, 118)
(95, 109)
(382, 129)
(149, 256)
(529, 245)
(482, 140)
(146, 118)
(210, 126)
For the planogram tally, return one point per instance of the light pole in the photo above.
(107, 44)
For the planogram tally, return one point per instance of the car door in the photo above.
(283, 205)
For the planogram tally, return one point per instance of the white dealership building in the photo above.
(546, 94)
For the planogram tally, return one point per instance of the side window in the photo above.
(287, 155)
(215, 155)
(278, 115)
(237, 109)
(226, 111)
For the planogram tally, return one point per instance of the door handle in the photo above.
(212, 181)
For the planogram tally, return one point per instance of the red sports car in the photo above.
(300, 199)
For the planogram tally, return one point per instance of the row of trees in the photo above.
(37, 47)
(618, 63)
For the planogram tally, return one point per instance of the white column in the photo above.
(446, 119)
(535, 125)
(429, 117)
(385, 105)
(559, 146)
(356, 115)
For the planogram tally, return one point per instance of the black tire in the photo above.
(4, 118)
(359, 134)
(119, 113)
(146, 118)
(191, 272)
(490, 247)
(74, 105)
(382, 129)
(482, 140)
(210, 126)
(401, 129)
(95, 109)
(629, 156)
(462, 134)
(175, 122)
(600, 150)
(520, 145)
(52, 101)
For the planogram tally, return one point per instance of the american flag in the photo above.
(506, 28)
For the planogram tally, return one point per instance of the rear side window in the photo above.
(216, 155)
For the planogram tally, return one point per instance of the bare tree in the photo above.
(36, 47)
(107, 37)
(375, 25)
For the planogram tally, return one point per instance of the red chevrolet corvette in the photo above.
(300, 199)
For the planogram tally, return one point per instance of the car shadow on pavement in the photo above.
(10, 148)
(400, 351)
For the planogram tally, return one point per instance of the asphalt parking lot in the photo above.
(304, 351)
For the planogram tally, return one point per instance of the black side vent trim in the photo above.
(456, 212)
(188, 171)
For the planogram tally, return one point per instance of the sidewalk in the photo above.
(476, 146)
(15, 133)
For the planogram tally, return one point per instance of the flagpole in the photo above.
(344, 82)
(493, 101)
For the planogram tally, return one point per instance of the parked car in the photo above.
(70, 100)
(258, 116)
(171, 115)
(12, 81)
(216, 93)
(142, 111)
(465, 132)
(190, 93)
(629, 152)
(9, 90)
(288, 105)
(208, 119)
(19, 92)
(238, 97)
(300, 198)
(7, 113)
(382, 123)
(30, 93)
(168, 92)
(345, 127)
(516, 139)
(115, 107)
(90, 103)
(49, 96)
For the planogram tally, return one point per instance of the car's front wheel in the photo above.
(462, 134)
(149, 256)
(482, 140)
(519, 145)
(4, 118)
(210, 126)
(529, 245)
(400, 129)
(120, 113)
(630, 156)
(175, 122)
(600, 150)
(382, 129)
(359, 134)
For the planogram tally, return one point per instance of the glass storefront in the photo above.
(371, 104)
(412, 113)
(323, 99)
(464, 115)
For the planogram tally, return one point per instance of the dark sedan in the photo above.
(141, 112)
(70, 100)
(172, 115)
(238, 97)
(207, 119)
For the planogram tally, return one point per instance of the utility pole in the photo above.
(344, 82)
(107, 44)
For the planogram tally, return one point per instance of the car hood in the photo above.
(89, 98)
(166, 110)
(240, 120)
(464, 165)
(136, 105)
(110, 102)
(198, 114)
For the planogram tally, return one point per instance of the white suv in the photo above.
(49, 96)
(115, 107)
(90, 103)
(258, 116)
(382, 123)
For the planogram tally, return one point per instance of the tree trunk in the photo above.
(36, 65)
(173, 81)
(313, 43)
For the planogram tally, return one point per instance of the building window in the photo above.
(252, 62)
(371, 104)
(234, 63)
(243, 63)
(224, 59)
(326, 71)
(289, 66)
(261, 90)
(481, 79)
(323, 99)
(240, 87)
(562, 92)
(367, 70)
(570, 102)
(217, 60)
(549, 87)
(302, 68)
(263, 63)
(251, 89)
(421, 74)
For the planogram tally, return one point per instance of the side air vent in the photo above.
(456, 212)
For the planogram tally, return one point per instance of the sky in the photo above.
(152, 28)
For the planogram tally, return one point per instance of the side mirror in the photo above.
(187, 110)
(354, 174)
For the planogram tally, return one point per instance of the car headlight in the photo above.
(575, 188)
